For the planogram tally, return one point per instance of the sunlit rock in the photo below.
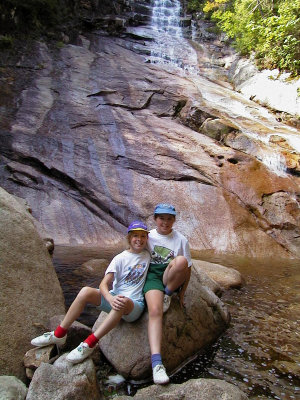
(185, 332)
(64, 380)
(194, 389)
(226, 277)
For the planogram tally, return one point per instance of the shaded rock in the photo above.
(226, 277)
(282, 212)
(214, 128)
(77, 332)
(94, 267)
(194, 389)
(11, 388)
(34, 357)
(240, 141)
(29, 287)
(194, 117)
(185, 332)
(63, 381)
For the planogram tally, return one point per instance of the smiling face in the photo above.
(137, 241)
(164, 223)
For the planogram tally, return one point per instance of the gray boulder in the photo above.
(11, 388)
(185, 332)
(64, 381)
(194, 389)
(29, 288)
(226, 277)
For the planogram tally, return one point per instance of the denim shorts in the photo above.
(138, 308)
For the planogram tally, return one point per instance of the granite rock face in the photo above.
(93, 136)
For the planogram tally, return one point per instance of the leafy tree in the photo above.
(270, 28)
(31, 15)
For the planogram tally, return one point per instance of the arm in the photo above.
(116, 302)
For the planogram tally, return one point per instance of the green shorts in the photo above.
(154, 278)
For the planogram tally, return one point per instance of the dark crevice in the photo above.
(128, 107)
(232, 160)
(102, 93)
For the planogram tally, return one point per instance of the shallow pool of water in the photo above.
(260, 350)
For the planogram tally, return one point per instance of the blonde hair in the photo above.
(130, 234)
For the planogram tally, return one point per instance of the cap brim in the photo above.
(165, 212)
(138, 229)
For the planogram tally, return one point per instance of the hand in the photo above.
(118, 302)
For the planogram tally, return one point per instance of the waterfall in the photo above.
(166, 17)
(175, 53)
(170, 47)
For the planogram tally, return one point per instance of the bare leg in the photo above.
(112, 319)
(86, 295)
(176, 273)
(154, 299)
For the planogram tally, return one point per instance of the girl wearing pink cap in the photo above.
(126, 274)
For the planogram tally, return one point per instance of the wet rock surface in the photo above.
(92, 142)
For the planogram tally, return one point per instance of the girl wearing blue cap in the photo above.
(126, 274)
(169, 271)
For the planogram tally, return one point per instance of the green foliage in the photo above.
(270, 28)
(6, 41)
(30, 15)
(194, 5)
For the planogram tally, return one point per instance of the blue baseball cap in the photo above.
(137, 226)
(164, 208)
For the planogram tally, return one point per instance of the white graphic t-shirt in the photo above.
(164, 248)
(130, 271)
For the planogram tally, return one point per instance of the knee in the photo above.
(84, 293)
(181, 263)
(155, 311)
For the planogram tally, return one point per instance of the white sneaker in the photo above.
(80, 353)
(48, 338)
(159, 375)
(167, 302)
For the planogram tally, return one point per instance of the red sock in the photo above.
(91, 340)
(60, 332)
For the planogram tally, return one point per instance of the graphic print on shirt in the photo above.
(161, 255)
(135, 274)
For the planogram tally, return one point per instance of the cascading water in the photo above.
(169, 45)
(172, 50)
(166, 17)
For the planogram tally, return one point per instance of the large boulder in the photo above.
(185, 332)
(194, 389)
(64, 381)
(29, 288)
(11, 388)
(226, 277)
